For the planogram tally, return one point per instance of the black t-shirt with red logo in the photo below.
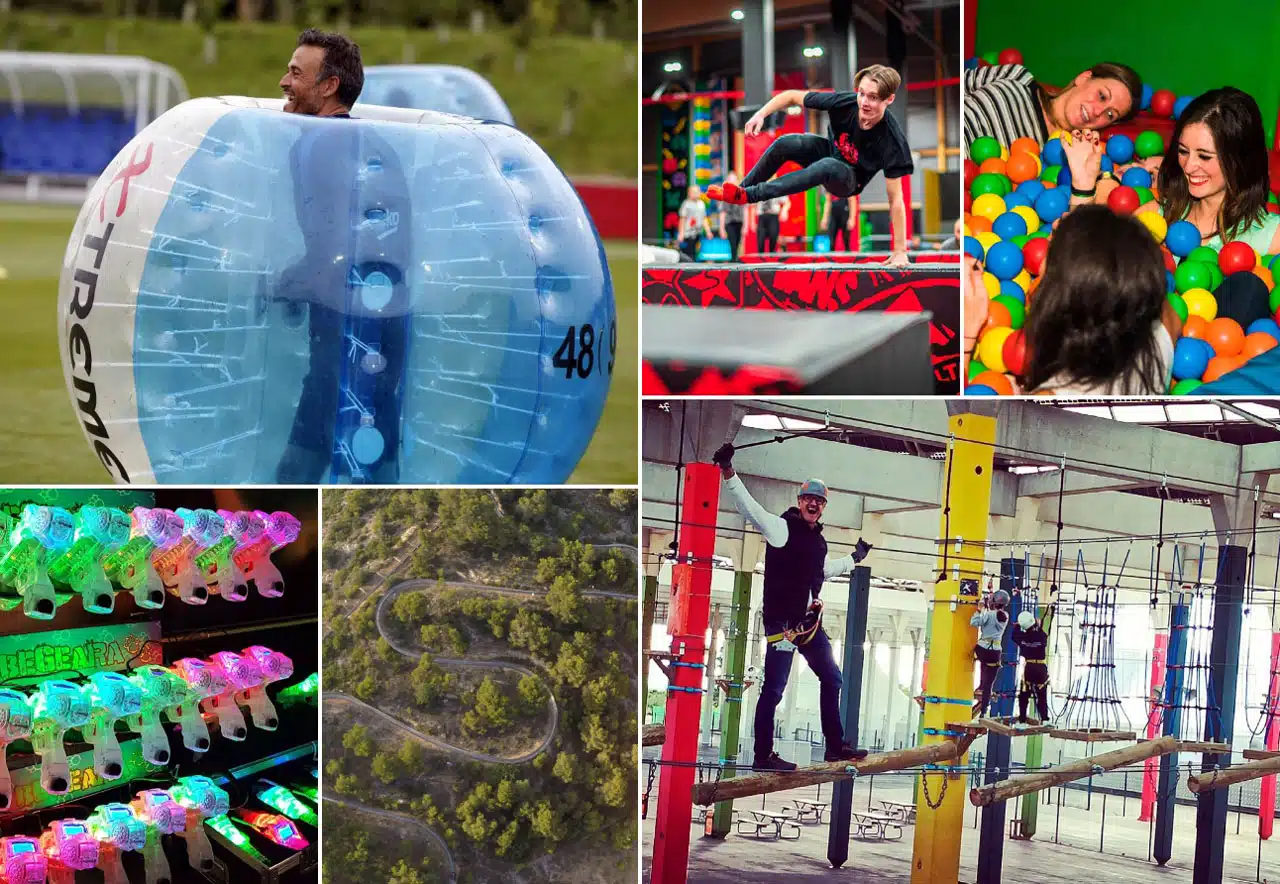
(882, 148)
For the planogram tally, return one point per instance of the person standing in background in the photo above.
(837, 222)
(693, 223)
(731, 217)
(769, 217)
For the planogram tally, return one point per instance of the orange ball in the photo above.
(998, 315)
(992, 165)
(1220, 365)
(1024, 145)
(1258, 342)
(1195, 327)
(995, 380)
(978, 224)
(1021, 167)
(1265, 275)
(1225, 336)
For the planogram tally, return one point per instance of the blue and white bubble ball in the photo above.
(250, 296)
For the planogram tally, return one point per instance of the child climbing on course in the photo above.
(1032, 638)
(991, 621)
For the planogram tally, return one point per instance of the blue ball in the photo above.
(1190, 358)
(1013, 290)
(1268, 325)
(1136, 177)
(1181, 104)
(1064, 178)
(1009, 225)
(1272, 266)
(1106, 165)
(1147, 93)
(1016, 199)
(979, 390)
(971, 64)
(1051, 204)
(1030, 189)
(1004, 260)
(1169, 284)
(1182, 238)
(400, 297)
(973, 247)
(1052, 154)
(434, 87)
(1120, 149)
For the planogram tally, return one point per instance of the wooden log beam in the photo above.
(1013, 729)
(761, 784)
(1205, 748)
(1076, 770)
(653, 735)
(1259, 754)
(1229, 776)
(1093, 735)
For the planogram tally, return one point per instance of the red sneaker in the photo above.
(727, 193)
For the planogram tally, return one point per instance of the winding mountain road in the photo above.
(401, 817)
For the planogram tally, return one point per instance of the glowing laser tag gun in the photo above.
(202, 800)
(281, 800)
(215, 564)
(162, 816)
(22, 862)
(176, 565)
(227, 829)
(57, 706)
(162, 691)
(253, 551)
(239, 674)
(8, 600)
(129, 566)
(15, 724)
(111, 697)
(275, 828)
(69, 848)
(42, 532)
(117, 831)
(99, 530)
(274, 667)
(204, 681)
(305, 691)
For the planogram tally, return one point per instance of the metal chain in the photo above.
(924, 783)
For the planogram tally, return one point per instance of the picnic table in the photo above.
(809, 811)
(904, 811)
(763, 821)
(879, 826)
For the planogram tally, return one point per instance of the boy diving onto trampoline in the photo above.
(862, 140)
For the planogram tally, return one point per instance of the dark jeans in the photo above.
(767, 228)
(821, 168)
(836, 231)
(990, 660)
(777, 668)
(689, 247)
(733, 232)
(1035, 681)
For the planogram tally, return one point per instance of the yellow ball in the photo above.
(988, 239)
(992, 284)
(1155, 223)
(989, 206)
(991, 348)
(1201, 303)
(967, 231)
(1023, 279)
(1004, 152)
(1058, 133)
(1028, 214)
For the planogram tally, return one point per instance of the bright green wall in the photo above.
(1223, 43)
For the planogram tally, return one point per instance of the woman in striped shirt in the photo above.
(1006, 103)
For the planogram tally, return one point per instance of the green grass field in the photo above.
(47, 445)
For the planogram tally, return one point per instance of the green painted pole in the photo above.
(735, 668)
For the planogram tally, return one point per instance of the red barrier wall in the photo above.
(614, 206)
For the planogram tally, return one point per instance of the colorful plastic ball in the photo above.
(1149, 144)
(996, 381)
(998, 315)
(1015, 353)
(1051, 205)
(971, 63)
(1017, 312)
(991, 284)
(1049, 175)
(979, 390)
(1201, 303)
(1225, 336)
(975, 368)
(1220, 365)
(1010, 56)
(984, 148)
(1257, 343)
(1052, 153)
(1170, 265)
(1027, 214)
(1022, 167)
(989, 182)
(1123, 201)
(989, 206)
(1181, 105)
(1190, 358)
(1154, 222)
(1025, 145)
(1136, 176)
(1192, 275)
(1106, 165)
(1145, 194)
(1010, 289)
(1019, 241)
(1009, 225)
(1024, 281)
(1031, 189)
(1193, 326)
(1064, 177)
(1169, 285)
(978, 224)
(1186, 386)
(1271, 264)
(1215, 277)
(991, 57)
(1162, 102)
(1147, 93)
(974, 248)
(1204, 254)
(970, 172)
(991, 348)
(1267, 277)
(1120, 148)
(1236, 257)
(992, 166)
(1182, 238)
(1004, 260)
(986, 239)
(1013, 199)
(1267, 326)
(1033, 254)
(1179, 305)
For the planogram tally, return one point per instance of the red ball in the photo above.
(968, 202)
(970, 173)
(1124, 200)
(1170, 262)
(1014, 352)
(1162, 103)
(1273, 168)
(1010, 56)
(1033, 255)
(1237, 257)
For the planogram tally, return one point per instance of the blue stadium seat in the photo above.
(52, 141)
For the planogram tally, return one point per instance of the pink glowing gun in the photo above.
(274, 667)
(240, 674)
(177, 564)
(130, 565)
(254, 549)
(205, 682)
(70, 849)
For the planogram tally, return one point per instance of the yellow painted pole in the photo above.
(966, 503)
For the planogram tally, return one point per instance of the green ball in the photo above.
(1050, 173)
(1273, 299)
(1017, 312)
(1044, 232)
(1192, 275)
(991, 57)
(1144, 195)
(983, 149)
(1021, 241)
(1216, 272)
(975, 368)
(1149, 144)
(1179, 305)
(1203, 254)
(1185, 386)
(989, 182)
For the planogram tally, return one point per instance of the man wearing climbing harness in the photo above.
(795, 565)
(1032, 638)
(861, 141)
(991, 621)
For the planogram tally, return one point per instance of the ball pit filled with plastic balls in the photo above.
(1015, 193)
(253, 297)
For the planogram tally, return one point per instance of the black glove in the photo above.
(723, 456)
(860, 550)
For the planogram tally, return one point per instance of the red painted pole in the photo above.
(1267, 801)
(1151, 767)
(687, 622)
(970, 28)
